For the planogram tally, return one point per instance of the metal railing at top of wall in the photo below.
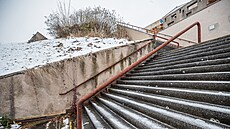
(147, 31)
(144, 30)
(114, 78)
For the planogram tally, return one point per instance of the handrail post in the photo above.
(79, 116)
(199, 32)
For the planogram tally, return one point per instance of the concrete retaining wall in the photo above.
(35, 92)
(136, 34)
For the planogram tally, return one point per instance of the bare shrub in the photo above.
(96, 21)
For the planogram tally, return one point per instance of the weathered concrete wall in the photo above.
(215, 22)
(36, 91)
(136, 34)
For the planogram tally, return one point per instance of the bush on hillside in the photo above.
(96, 21)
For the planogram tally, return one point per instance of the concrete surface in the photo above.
(35, 92)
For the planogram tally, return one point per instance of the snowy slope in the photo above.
(20, 56)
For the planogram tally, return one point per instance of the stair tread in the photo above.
(194, 51)
(196, 46)
(112, 118)
(172, 81)
(201, 109)
(215, 97)
(177, 119)
(216, 76)
(197, 59)
(193, 69)
(201, 54)
(96, 119)
(137, 118)
(208, 92)
(190, 64)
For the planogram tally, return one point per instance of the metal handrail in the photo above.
(133, 26)
(157, 36)
(177, 38)
(145, 31)
(114, 78)
(76, 86)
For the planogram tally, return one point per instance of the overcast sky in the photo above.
(20, 19)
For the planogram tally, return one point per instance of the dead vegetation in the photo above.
(92, 22)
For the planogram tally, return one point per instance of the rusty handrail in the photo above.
(104, 85)
(177, 38)
(157, 36)
(109, 67)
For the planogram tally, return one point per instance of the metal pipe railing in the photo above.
(145, 30)
(185, 40)
(104, 85)
(157, 36)
(133, 26)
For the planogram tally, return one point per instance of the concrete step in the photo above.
(197, 108)
(215, 97)
(202, 85)
(114, 120)
(184, 65)
(196, 59)
(185, 57)
(96, 119)
(212, 76)
(138, 119)
(87, 124)
(195, 69)
(174, 118)
(184, 51)
(197, 46)
(166, 48)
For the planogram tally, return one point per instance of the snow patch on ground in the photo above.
(66, 123)
(15, 126)
(16, 57)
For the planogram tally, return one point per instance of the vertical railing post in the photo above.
(79, 116)
(199, 32)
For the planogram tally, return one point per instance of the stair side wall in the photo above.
(35, 92)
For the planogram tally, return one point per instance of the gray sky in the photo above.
(20, 19)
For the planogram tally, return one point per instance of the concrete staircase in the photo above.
(182, 88)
